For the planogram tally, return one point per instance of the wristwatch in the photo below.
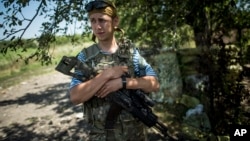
(124, 82)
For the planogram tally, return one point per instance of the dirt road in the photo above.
(39, 109)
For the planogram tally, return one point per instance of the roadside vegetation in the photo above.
(21, 63)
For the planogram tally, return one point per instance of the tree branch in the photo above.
(23, 30)
(33, 18)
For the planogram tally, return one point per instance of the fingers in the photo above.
(125, 69)
(114, 75)
(108, 87)
(115, 72)
(103, 92)
(120, 70)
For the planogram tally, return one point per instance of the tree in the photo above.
(15, 24)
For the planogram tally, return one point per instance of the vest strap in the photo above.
(91, 52)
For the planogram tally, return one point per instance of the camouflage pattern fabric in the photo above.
(95, 110)
(124, 131)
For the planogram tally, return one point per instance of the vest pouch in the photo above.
(96, 110)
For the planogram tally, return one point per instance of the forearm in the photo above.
(84, 91)
(146, 83)
(88, 89)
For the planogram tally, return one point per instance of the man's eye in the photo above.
(93, 21)
(101, 20)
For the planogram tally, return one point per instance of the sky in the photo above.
(28, 12)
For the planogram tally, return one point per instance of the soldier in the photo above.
(111, 60)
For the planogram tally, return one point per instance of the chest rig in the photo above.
(100, 60)
(96, 109)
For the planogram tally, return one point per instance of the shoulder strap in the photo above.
(90, 52)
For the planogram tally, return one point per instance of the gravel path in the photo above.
(39, 109)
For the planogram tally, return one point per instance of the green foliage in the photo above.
(247, 55)
(13, 65)
(156, 24)
(24, 45)
(226, 92)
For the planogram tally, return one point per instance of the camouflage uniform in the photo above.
(95, 110)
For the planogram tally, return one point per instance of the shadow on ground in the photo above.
(66, 124)
(62, 126)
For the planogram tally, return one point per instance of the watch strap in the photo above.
(124, 82)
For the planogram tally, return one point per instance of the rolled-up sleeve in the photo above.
(141, 67)
(75, 81)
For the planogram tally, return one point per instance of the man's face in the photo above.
(102, 26)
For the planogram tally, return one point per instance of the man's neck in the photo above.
(108, 45)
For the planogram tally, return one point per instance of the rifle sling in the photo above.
(112, 115)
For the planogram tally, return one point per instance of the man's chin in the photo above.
(102, 39)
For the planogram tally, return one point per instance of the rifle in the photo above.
(136, 102)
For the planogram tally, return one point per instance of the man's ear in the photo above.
(116, 21)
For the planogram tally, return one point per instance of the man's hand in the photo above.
(110, 86)
(114, 82)
(115, 72)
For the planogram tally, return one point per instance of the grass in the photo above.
(13, 72)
